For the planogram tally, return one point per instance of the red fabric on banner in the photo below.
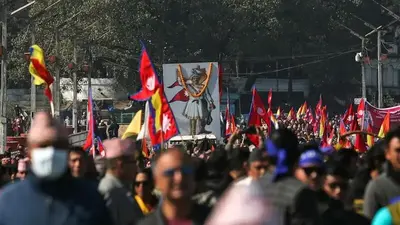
(375, 116)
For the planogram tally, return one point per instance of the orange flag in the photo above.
(385, 127)
(291, 114)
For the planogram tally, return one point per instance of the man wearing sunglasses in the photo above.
(174, 178)
(311, 169)
(117, 183)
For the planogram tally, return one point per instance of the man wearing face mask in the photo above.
(49, 195)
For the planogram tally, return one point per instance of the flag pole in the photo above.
(52, 108)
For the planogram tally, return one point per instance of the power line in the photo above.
(297, 66)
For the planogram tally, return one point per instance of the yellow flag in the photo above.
(134, 127)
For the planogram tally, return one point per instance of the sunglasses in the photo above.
(310, 170)
(338, 185)
(185, 170)
(144, 183)
(260, 167)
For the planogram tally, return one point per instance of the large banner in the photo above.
(192, 90)
(375, 116)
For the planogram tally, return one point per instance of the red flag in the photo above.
(257, 114)
(233, 123)
(162, 124)
(228, 123)
(349, 115)
(181, 96)
(148, 78)
(360, 113)
(270, 98)
(342, 128)
(359, 144)
(291, 115)
(258, 111)
(90, 120)
(318, 107)
(175, 84)
(354, 125)
(100, 147)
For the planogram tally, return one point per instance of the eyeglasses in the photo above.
(185, 170)
(144, 183)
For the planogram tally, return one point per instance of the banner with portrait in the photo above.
(374, 116)
(192, 90)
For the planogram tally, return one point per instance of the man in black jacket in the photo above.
(293, 203)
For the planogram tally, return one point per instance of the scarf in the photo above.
(145, 209)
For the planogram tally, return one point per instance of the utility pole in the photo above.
(90, 68)
(277, 75)
(33, 86)
(363, 79)
(380, 88)
(89, 77)
(57, 88)
(363, 40)
(3, 95)
(75, 90)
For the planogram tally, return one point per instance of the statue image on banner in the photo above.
(195, 104)
(200, 104)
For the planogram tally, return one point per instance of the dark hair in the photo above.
(217, 161)
(335, 169)
(200, 169)
(394, 133)
(77, 149)
(237, 157)
(344, 156)
(284, 138)
(308, 146)
(375, 157)
(148, 173)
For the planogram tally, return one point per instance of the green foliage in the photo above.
(108, 31)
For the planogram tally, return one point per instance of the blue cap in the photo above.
(311, 156)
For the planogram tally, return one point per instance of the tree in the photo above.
(188, 31)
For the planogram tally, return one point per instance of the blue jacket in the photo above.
(67, 201)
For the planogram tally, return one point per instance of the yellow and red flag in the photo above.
(37, 68)
(291, 114)
(270, 98)
(370, 138)
(385, 127)
(278, 113)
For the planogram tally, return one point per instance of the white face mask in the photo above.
(49, 163)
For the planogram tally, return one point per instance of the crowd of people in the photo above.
(286, 179)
